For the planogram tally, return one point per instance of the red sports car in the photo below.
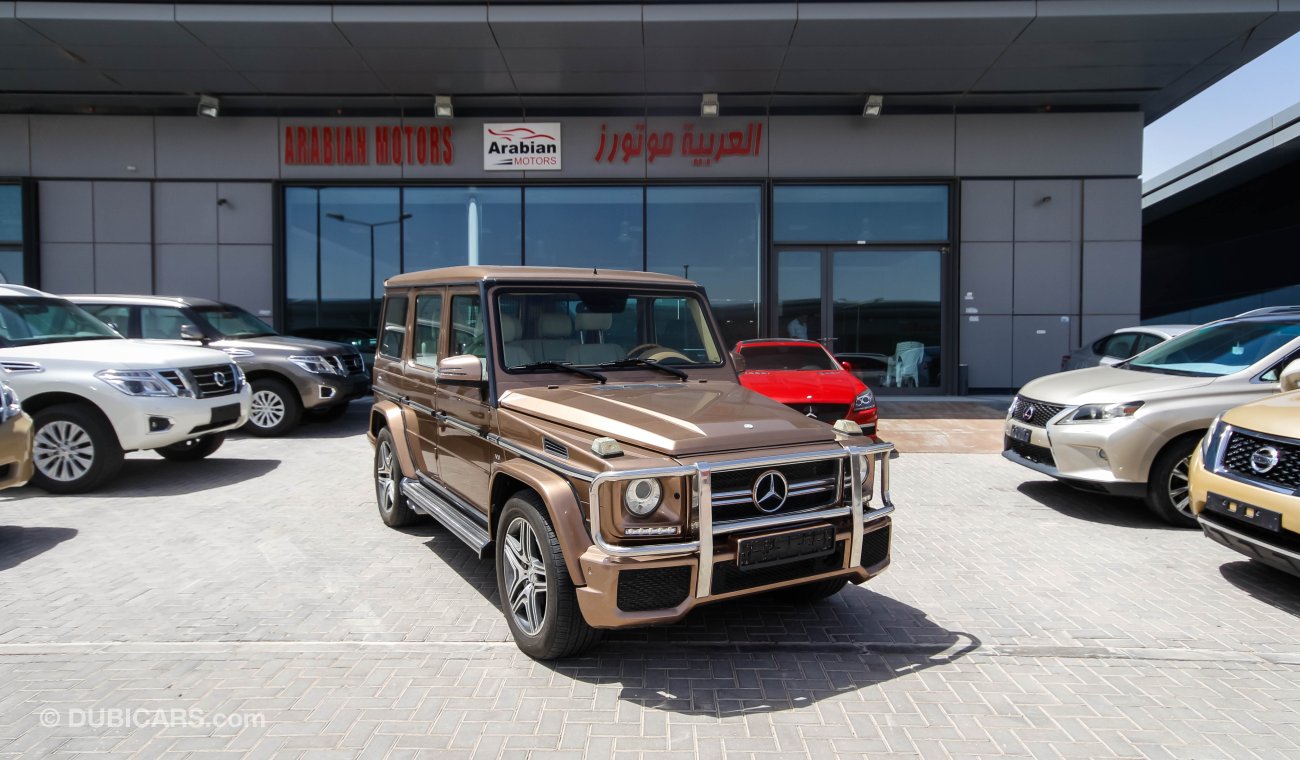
(804, 376)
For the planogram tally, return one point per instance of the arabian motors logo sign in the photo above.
(512, 147)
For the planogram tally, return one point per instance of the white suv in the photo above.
(94, 395)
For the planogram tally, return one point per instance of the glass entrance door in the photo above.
(879, 309)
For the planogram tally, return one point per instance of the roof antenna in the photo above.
(593, 270)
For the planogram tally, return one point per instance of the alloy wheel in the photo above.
(1179, 487)
(526, 580)
(385, 485)
(63, 451)
(266, 409)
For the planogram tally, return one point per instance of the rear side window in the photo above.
(393, 332)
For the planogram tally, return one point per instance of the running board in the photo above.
(460, 524)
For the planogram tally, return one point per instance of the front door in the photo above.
(464, 455)
(878, 309)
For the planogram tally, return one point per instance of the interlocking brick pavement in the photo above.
(1019, 619)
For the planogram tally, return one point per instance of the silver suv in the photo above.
(288, 375)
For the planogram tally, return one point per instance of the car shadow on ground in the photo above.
(759, 654)
(311, 427)
(19, 544)
(154, 476)
(1093, 507)
(1273, 587)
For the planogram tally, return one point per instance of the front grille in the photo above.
(1039, 412)
(1242, 446)
(811, 485)
(828, 413)
(728, 577)
(206, 380)
(1039, 454)
(875, 546)
(350, 364)
(174, 377)
(655, 588)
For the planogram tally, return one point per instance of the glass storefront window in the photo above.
(301, 254)
(359, 249)
(886, 305)
(712, 235)
(584, 227)
(11, 234)
(860, 213)
(452, 226)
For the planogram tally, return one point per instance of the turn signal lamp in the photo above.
(606, 447)
(847, 427)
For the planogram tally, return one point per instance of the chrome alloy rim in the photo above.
(63, 451)
(385, 486)
(525, 577)
(1179, 490)
(267, 409)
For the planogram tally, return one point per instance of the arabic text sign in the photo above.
(703, 147)
(512, 147)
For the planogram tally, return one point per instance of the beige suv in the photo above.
(589, 431)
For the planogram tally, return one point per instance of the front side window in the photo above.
(162, 322)
(231, 322)
(467, 326)
(393, 333)
(779, 357)
(428, 328)
(598, 326)
(1120, 346)
(115, 316)
(32, 321)
(1218, 349)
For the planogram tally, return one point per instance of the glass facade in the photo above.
(11, 234)
(860, 213)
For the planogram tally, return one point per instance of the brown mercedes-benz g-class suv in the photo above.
(589, 429)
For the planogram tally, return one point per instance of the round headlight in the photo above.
(643, 496)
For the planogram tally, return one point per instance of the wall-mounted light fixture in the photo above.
(442, 107)
(209, 106)
(709, 105)
(871, 109)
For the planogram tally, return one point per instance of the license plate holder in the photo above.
(1022, 434)
(787, 546)
(224, 414)
(1247, 513)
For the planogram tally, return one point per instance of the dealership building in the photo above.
(945, 193)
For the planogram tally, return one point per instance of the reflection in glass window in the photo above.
(454, 226)
(11, 234)
(301, 241)
(868, 213)
(359, 249)
(584, 227)
(428, 328)
(887, 306)
(394, 332)
(711, 235)
(467, 326)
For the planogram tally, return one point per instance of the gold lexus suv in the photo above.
(1245, 478)
(587, 429)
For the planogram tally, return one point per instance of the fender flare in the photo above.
(561, 503)
(389, 414)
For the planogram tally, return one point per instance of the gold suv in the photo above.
(1245, 477)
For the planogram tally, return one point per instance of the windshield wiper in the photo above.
(643, 363)
(561, 366)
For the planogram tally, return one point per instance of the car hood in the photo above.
(116, 353)
(285, 343)
(677, 420)
(1277, 415)
(802, 385)
(1099, 385)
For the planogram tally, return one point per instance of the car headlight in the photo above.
(316, 364)
(865, 400)
(643, 496)
(1101, 412)
(1212, 441)
(137, 382)
(10, 406)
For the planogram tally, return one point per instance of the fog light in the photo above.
(1101, 453)
(159, 424)
(326, 391)
(662, 531)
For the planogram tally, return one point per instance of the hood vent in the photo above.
(21, 367)
(554, 448)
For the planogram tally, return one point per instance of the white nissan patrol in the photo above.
(94, 395)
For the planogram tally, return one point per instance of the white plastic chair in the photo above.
(905, 363)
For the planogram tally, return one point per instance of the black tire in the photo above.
(394, 509)
(74, 449)
(194, 449)
(812, 592)
(562, 631)
(330, 413)
(275, 409)
(1168, 496)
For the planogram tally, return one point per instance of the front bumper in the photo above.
(661, 583)
(139, 421)
(1107, 457)
(1278, 549)
(16, 452)
(319, 391)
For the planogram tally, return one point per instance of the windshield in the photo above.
(29, 321)
(1217, 350)
(233, 322)
(787, 357)
(590, 327)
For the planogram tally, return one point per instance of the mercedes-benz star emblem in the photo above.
(1264, 459)
(1028, 413)
(811, 413)
(219, 378)
(770, 490)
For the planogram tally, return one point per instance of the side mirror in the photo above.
(1289, 378)
(190, 332)
(464, 369)
(738, 359)
(847, 366)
